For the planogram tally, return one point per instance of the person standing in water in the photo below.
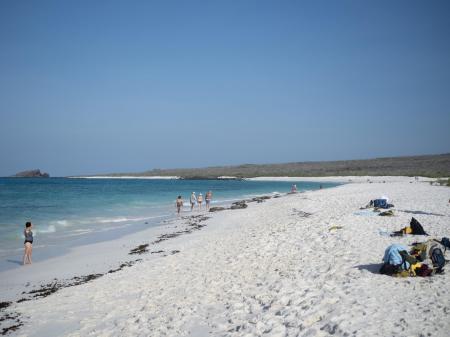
(208, 198)
(28, 234)
(193, 200)
(199, 201)
(179, 204)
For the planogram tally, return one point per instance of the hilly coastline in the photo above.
(425, 165)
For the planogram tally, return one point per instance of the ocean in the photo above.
(70, 212)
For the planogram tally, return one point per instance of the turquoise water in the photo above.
(74, 211)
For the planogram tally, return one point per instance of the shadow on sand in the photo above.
(373, 267)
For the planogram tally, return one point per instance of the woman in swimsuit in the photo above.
(199, 201)
(179, 204)
(208, 198)
(28, 234)
(193, 200)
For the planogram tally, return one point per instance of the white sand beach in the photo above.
(272, 269)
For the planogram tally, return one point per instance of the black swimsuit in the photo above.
(28, 237)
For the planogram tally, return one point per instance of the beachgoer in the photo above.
(199, 201)
(293, 188)
(193, 200)
(320, 186)
(179, 204)
(208, 198)
(28, 234)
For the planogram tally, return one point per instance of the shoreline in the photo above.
(44, 285)
(279, 249)
(88, 255)
(117, 226)
(132, 227)
(331, 179)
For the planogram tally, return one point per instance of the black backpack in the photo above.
(437, 257)
(390, 269)
(416, 227)
(446, 243)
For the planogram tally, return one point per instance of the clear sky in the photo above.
(125, 86)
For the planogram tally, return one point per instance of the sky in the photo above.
(89, 87)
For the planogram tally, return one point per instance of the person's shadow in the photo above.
(15, 261)
(373, 267)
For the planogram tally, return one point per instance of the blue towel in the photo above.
(392, 255)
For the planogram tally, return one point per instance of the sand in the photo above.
(272, 269)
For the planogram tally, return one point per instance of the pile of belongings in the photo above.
(424, 259)
(414, 228)
(382, 202)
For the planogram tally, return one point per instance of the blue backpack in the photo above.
(380, 203)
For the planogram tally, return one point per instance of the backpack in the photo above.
(389, 269)
(424, 271)
(380, 203)
(437, 257)
(446, 243)
(416, 227)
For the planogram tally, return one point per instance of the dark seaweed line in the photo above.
(47, 290)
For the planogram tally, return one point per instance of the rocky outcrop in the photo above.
(261, 199)
(216, 209)
(32, 174)
(238, 205)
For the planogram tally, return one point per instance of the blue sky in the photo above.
(126, 86)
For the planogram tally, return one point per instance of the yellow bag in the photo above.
(414, 267)
(407, 230)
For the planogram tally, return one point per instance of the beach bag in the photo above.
(389, 269)
(407, 230)
(380, 203)
(416, 227)
(446, 243)
(437, 257)
(423, 271)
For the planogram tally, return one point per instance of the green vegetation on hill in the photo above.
(427, 166)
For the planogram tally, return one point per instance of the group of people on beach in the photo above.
(194, 200)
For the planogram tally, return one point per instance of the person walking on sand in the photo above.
(28, 234)
(193, 200)
(208, 198)
(199, 201)
(179, 204)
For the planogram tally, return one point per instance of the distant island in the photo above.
(31, 174)
(435, 166)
